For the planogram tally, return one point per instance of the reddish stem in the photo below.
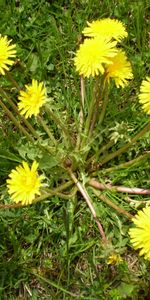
(123, 189)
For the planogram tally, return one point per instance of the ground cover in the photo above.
(53, 249)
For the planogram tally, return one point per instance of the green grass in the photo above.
(52, 250)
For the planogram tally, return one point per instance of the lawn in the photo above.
(73, 242)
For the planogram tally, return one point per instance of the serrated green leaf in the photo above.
(10, 156)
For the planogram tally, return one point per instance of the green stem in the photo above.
(111, 204)
(59, 124)
(47, 130)
(68, 196)
(81, 114)
(61, 187)
(126, 146)
(91, 112)
(101, 150)
(129, 163)
(14, 120)
(12, 80)
(50, 150)
(104, 104)
(96, 108)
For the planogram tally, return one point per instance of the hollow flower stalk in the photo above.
(140, 234)
(32, 99)
(7, 54)
(24, 183)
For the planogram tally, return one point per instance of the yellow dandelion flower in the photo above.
(92, 54)
(7, 52)
(140, 235)
(114, 259)
(24, 183)
(120, 69)
(32, 99)
(108, 28)
(144, 96)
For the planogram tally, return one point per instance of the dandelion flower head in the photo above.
(24, 183)
(120, 69)
(114, 259)
(144, 96)
(92, 54)
(140, 235)
(7, 52)
(108, 28)
(32, 99)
